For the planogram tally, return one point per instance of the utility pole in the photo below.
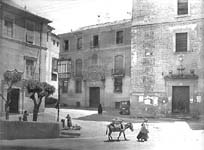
(40, 49)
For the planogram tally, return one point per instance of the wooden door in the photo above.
(94, 96)
(14, 97)
(180, 99)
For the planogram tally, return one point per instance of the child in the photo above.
(143, 134)
(25, 115)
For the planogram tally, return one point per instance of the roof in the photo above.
(105, 24)
(11, 3)
(118, 22)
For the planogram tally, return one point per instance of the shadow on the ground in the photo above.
(24, 148)
(115, 140)
(106, 117)
(196, 124)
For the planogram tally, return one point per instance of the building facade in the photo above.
(23, 46)
(167, 51)
(100, 65)
(53, 48)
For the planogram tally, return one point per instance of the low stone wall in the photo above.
(28, 130)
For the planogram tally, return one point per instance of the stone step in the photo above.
(70, 132)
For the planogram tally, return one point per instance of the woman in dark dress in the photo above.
(143, 134)
(100, 109)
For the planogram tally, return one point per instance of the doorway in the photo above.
(94, 96)
(180, 99)
(14, 98)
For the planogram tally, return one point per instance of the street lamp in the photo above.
(64, 74)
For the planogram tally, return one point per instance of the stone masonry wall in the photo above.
(153, 55)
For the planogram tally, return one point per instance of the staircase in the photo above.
(69, 133)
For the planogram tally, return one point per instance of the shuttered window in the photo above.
(66, 45)
(181, 42)
(8, 23)
(118, 85)
(64, 86)
(119, 37)
(79, 43)
(95, 41)
(182, 7)
(78, 67)
(118, 66)
(30, 32)
(78, 86)
(54, 64)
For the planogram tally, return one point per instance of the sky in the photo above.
(70, 15)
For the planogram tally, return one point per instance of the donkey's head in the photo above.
(130, 125)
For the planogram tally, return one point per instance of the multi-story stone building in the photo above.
(167, 51)
(53, 48)
(100, 65)
(23, 46)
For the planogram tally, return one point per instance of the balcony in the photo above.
(64, 76)
(118, 72)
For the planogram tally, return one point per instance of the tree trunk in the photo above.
(35, 112)
(7, 111)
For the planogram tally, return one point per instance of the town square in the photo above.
(101, 74)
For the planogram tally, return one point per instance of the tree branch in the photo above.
(2, 97)
(40, 101)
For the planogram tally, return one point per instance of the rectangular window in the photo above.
(47, 36)
(30, 69)
(53, 42)
(64, 86)
(78, 86)
(54, 64)
(8, 23)
(79, 43)
(30, 32)
(95, 41)
(119, 37)
(182, 7)
(53, 76)
(118, 85)
(181, 42)
(66, 45)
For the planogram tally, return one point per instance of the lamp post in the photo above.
(64, 74)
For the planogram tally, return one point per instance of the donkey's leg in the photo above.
(124, 135)
(119, 136)
(109, 135)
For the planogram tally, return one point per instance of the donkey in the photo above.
(110, 128)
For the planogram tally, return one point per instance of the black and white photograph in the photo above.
(101, 74)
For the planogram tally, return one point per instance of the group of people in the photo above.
(142, 135)
(68, 120)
